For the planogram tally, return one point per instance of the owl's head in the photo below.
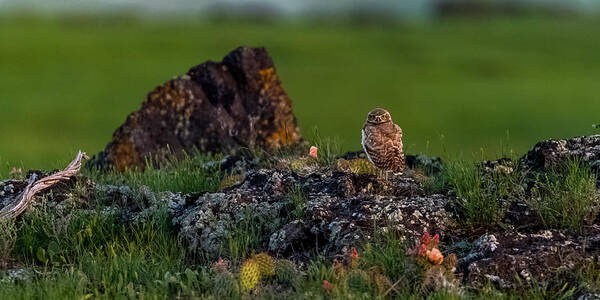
(379, 116)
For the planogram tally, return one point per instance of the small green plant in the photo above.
(8, 235)
(566, 196)
(588, 276)
(226, 286)
(298, 200)
(483, 197)
(286, 272)
(387, 252)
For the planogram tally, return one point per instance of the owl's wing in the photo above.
(398, 131)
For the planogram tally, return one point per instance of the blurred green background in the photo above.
(455, 85)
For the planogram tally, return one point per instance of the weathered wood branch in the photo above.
(34, 186)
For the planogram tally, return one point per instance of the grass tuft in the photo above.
(298, 199)
(566, 196)
(483, 197)
(8, 235)
(188, 174)
(245, 237)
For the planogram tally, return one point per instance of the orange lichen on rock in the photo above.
(126, 156)
(267, 75)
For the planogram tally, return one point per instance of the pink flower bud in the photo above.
(313, 152)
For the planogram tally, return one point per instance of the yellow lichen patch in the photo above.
(170, 94)
(267, 75)
(282, 137)
(302, 164)
(357, 166)
(230, 180)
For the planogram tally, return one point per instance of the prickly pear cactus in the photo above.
(250, 274)
(266, 264)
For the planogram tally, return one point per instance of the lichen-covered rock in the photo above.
(548, 153)
(10, 190)
(216, 107)
(340, 209)
(511, 259)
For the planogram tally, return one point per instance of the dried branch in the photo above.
(13, 210)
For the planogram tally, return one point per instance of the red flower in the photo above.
(353, 253)
(327, 285)
(430, 242)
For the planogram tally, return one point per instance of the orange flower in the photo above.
(327, 285)
(313, 152)
(435, 256)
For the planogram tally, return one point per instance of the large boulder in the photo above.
(216, 107)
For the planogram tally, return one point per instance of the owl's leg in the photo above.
(382, 174)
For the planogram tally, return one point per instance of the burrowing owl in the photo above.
(382, 141)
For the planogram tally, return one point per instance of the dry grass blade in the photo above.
(13, 210)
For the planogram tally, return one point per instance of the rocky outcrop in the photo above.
(339, 210)
(551, 152)
(513, 260)
(216, 107)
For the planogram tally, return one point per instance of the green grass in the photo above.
(8, 236)
(67, 83)
(97, 256)
(566, 197)
(298, 200)
(188, 174)
(482, 197)
(82, 255)
(245, 237)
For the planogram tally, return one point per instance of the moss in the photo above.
(356, 166)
